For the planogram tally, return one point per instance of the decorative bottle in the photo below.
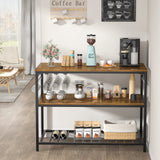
(134, 56)
(131, 85)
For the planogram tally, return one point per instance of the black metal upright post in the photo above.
(42, 108)
(145, 110)
(37, 119)
(141, 109)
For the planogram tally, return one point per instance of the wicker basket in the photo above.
(120, 130)
(119, 136)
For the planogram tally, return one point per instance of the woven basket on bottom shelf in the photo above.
(119, 136)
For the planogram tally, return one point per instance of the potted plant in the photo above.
(50, 51)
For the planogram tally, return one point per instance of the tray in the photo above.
(105, 66)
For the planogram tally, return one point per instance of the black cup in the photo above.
(133, 97)
(125, 61)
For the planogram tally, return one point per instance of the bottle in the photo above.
(79, 59)
(108, 95)
(89, 90)
(63, 135)
(124, 92)
(95, 93)
(71, 54)
(131, 85)
(55, 135)
(100, 90)
(134, 56)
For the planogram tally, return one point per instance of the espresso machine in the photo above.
(129, 52)
(91, 54)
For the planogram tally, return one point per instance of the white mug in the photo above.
(55, 20)
(102, 62)
(109, 62)
(74, 21)
(83, 20)
(65, 12)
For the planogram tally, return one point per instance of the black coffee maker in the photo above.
(129, 52)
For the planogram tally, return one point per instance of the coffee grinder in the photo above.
(91, 54)
(129, 52)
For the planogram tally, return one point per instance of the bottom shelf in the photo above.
(47, 140)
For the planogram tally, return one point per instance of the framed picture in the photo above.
(118, 10)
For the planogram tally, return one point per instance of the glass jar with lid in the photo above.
(79, 59)
(91, 39)
(108, 95)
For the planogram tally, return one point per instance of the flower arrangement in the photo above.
(50, 51)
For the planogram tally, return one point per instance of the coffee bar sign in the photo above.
(68, 9)
(68, 3)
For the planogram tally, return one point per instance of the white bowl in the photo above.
(50, 93)
(79, 96)
(49, 97)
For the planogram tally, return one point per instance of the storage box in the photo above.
(87, 129)
(79, 129)
(120, 130)
(96, 127)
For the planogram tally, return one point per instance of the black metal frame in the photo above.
(106, 8)
(143, 111)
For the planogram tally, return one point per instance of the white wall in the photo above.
(154, 39)
(73, 37)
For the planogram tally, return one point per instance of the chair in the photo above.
(9, 57)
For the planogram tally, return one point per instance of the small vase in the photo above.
(50, 63)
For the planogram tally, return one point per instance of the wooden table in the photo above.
(6, 76)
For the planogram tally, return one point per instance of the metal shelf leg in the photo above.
(42, 121)
(37, 118)
(42, 108)
(145, 110)
(141, 109)
(141, 117)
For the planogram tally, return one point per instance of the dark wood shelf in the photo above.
(46, 139)
(43, 67)
(71, 101)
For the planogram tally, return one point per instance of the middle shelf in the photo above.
(71, 101)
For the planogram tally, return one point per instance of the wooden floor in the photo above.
(17, 138)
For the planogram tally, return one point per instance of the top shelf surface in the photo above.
(43, 67)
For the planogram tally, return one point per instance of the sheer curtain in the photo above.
(17, 28)
(10, 16)
(28, 35)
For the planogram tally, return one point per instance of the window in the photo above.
(10, 22)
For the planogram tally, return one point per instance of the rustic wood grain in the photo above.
(70, 100)
(43, 67)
